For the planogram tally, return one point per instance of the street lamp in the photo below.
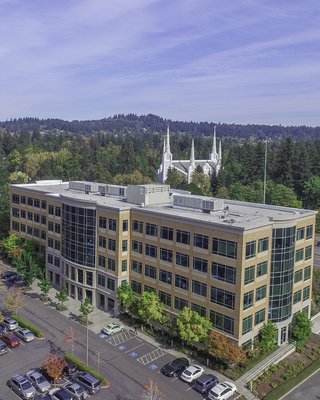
(265, 172)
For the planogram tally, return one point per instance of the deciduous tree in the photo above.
(268, 333)
(62, 296)
(13, 301)
(54, 366)
(152, 392)
(125, 295)
(149, 307)
(71, 339)
(192, 327)
(219, 347)
(302, 329)
(45, 286)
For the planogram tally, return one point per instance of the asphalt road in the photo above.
(308, 390)
(124, 358)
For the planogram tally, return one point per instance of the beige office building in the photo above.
(236, 263)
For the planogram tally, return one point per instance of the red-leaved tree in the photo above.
(219, 347)
(54, 366)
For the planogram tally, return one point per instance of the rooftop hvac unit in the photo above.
(205, 204)
(86, 187)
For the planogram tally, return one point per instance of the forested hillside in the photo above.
(128, 149)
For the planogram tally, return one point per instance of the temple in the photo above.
(187, 167)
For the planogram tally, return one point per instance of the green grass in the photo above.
(287, 386)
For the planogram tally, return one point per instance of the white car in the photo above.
(191, 373)
(112, 328)
(24, 334)
(222, 391)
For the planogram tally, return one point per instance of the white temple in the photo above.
(188, 166)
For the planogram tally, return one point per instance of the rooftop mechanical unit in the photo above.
(87, 187)
(205, 204)
(112, 190)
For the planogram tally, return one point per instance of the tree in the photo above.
(268, 333)
(54, 366)
(152, 392)
(45, 287)
(86, 309)
(13, 301)
(176, 179)
(27, 267)
(71, 339)
(125, 295)
(311, 193)
(192, 327)
(149, 307)
(12, 243)
(219, 347)
(302, 328)
(62, 297)
(202, 181)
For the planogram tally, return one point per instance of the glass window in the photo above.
(36, 218)
(222, 297)
(199, 288)
(250, 250)
(308, 253)
(166, 255)
(43, 220)
(111, 265)
(183, 260)
(247, 324)
(181, 282)
(136, 267)
(50, 210)
(36, 232)
(23, 199)
(137, 226)
(57, 262)
(15, 212)
(151, 229)
(307, 273)
(165, 276)
(23, 228)
(149, 289)
(50, 226)
(151, 250)
(248, 300)
(110, 284)
(298, 276)
(80, 276)
(111, 245)
(200, 265)
(101, 280)
(166, 233)
(199, 309)
(23, 214)
(15, 226)
(262, 268)
(306, 293)
(102, 222)
(50, 259)
(179, 304)
(201, 241)
(102, 261)
(43, 235)
(29, 230)
(43, 204)
(136, 287)
(183, 237)
(58, 212)
(37, 203)
(249, 274)
(136, 247)
(165, 298)
(261, 293)
(150, 272)
(299, 255)
(50, 242)
(57, 228)
(57, 245)
(300, 233)
(260, 317)
(112, 225)
(297, 297)
(89, 278)
(222, 322)
(224, 248)
(223, 273)
(124, 246)
(30, 201)
(263, 245)
(15, 198)
(125, 225)
(124, 265)
(309, 232)
(30, 216)
(102, 242)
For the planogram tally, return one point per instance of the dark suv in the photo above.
(22, 387)
(205, 383)
(91, 384)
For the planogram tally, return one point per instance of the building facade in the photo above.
(237, 263)
(187, 167)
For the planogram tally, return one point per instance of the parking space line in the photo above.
(121, 338)
(189, 388)
(139, 345)
(174, 379)
(153, 355)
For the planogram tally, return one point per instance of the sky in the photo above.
(243, 61)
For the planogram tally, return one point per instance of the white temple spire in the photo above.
(192, 160)
(213, 154)
(164, 146)
(220, 152)
(168, 140)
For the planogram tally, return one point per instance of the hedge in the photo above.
(83, 367)
(287, 386)
(24, 324)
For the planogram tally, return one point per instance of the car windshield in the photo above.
(174, 364)
(26, 385)
(214, 393)
(40, 379)
(187, 373)
(79, 390)
(96, 384)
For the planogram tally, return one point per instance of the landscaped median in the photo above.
(287, 386)
(83, 367)
(24, 324)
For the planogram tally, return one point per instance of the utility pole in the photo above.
(265, 172)
(86, 309)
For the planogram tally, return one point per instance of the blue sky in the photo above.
(244, 61)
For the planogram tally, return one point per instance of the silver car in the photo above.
(22, 387)
(112, 328)
(10, 324)
(24, 334)
(75, 390)
(38, 381)
(3, 347)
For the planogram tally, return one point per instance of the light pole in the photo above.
(86, 309)
(265, 172)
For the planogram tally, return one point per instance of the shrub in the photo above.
(24, 324)
(316, 350)
(83, 367)
(274, 385)
(300, 349)
(61, 307)
(312, 357)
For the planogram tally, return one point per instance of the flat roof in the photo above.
(236, 215)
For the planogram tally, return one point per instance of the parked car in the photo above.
(175, 366)
(222, 391)
(191, 373)
(22, 387)
(91, 384)
(70, 368)
(24, 334)
(10, 340)
(7, 274)
(205, 383)
(38, 381)
(44, 372)
(43, 397)
(10, 324)
(112, 328)
(1, 330)
(59, 394)
(3, 347)
(76, 391)
(15, 278)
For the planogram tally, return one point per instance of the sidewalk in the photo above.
(101, 318)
